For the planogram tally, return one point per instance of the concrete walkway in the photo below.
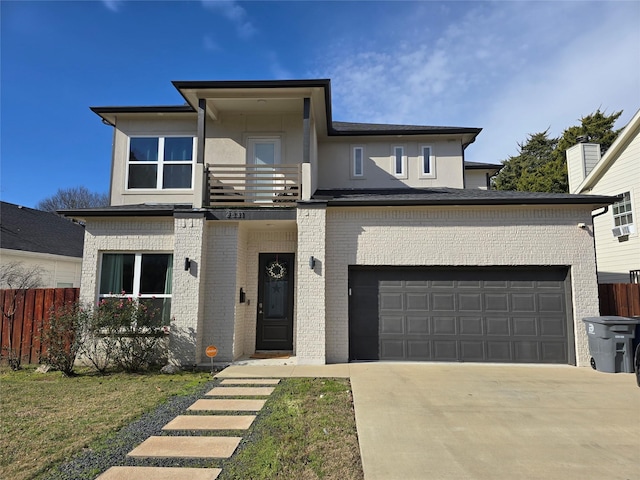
(477, 421)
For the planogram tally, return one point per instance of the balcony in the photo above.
(275, 185)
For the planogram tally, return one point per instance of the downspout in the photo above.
(593, 231)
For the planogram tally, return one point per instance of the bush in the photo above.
(124, 332)
(62, 337)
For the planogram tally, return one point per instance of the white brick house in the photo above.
(260, 223)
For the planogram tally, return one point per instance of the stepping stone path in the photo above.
(192, 445)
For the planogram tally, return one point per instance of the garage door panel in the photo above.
(417, 301)
(392, 349)
(393, 325)
(471, 326)
(472, 351)
(446, 350)
(444, 326)
(553, 327)
(417, 325)
(525, 326)
(496, 302)
(523, 302)
(460, 314)
(498, 326)
(418, 350)
(444, 302)
(470, 302)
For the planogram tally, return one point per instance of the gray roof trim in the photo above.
(353, 129)
(141, 210)
(481, 166)
(452, 196)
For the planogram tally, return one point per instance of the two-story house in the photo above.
(257, 222)
(617, 172)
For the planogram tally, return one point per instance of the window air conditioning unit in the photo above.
(623, 230)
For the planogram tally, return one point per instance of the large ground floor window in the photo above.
(144, 276)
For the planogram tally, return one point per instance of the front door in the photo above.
(275, 302)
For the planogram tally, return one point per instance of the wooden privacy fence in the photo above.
(24, 314)
(619, 299)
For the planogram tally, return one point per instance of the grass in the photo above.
(306, 430)
(46, 418)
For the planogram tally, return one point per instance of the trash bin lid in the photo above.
(612, 320)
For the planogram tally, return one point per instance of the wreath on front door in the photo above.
(276, 270)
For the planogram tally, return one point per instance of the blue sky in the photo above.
(512, 68)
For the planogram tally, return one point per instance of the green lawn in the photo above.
(306, 430)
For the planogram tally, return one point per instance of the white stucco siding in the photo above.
(616, 258)
(143, 125)
(226, 140)
(129, 234)
(457, 236)
(335, 163)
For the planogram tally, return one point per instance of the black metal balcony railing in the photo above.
(235, 185)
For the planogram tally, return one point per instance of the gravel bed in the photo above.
(92, 462)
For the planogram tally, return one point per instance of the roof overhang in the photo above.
(109, 114)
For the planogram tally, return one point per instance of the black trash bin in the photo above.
(611, 343)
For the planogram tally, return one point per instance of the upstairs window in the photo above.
(427, 167)
(357, 161)
(160, 163)
(399, 162)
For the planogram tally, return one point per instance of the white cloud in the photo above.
(209, 44)
(231, 10)
(113, 5)
(277, 70)
(512, 68)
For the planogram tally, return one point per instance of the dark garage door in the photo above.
(517, 315)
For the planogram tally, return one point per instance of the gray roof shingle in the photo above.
(32, 230)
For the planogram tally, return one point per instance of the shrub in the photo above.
(62, 337)
(126, 332)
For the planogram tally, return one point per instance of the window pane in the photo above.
(142, 176)
(357, 161)
(117, 273)
(178, 149)
(143, 149)
(426, 160)
(265, 153)
(398, 160)
(159, 310)
(176, 176)
(156, 274)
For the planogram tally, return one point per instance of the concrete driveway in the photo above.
(438, 421)
(478, 421)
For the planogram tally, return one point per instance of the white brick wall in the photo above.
(459, 236)
(120, 235)
(187, 303)
(310, 289)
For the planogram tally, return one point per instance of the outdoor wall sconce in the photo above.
(312, 262)
(242, 295)
(187, 264)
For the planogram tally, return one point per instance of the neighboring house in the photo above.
(259, 223)
(616, 173)
(478, 175)
(44, 241)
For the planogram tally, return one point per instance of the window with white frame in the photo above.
(143, 276)
(427, 164)
(622, 214)
(160, 163)
(399, 162)
(357, 160)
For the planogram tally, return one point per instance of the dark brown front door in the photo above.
(275, 302)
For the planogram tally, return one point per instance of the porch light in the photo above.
(187, 264)
(312, 262)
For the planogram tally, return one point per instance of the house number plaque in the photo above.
(234, 214)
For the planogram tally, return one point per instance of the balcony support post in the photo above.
(200, 190)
